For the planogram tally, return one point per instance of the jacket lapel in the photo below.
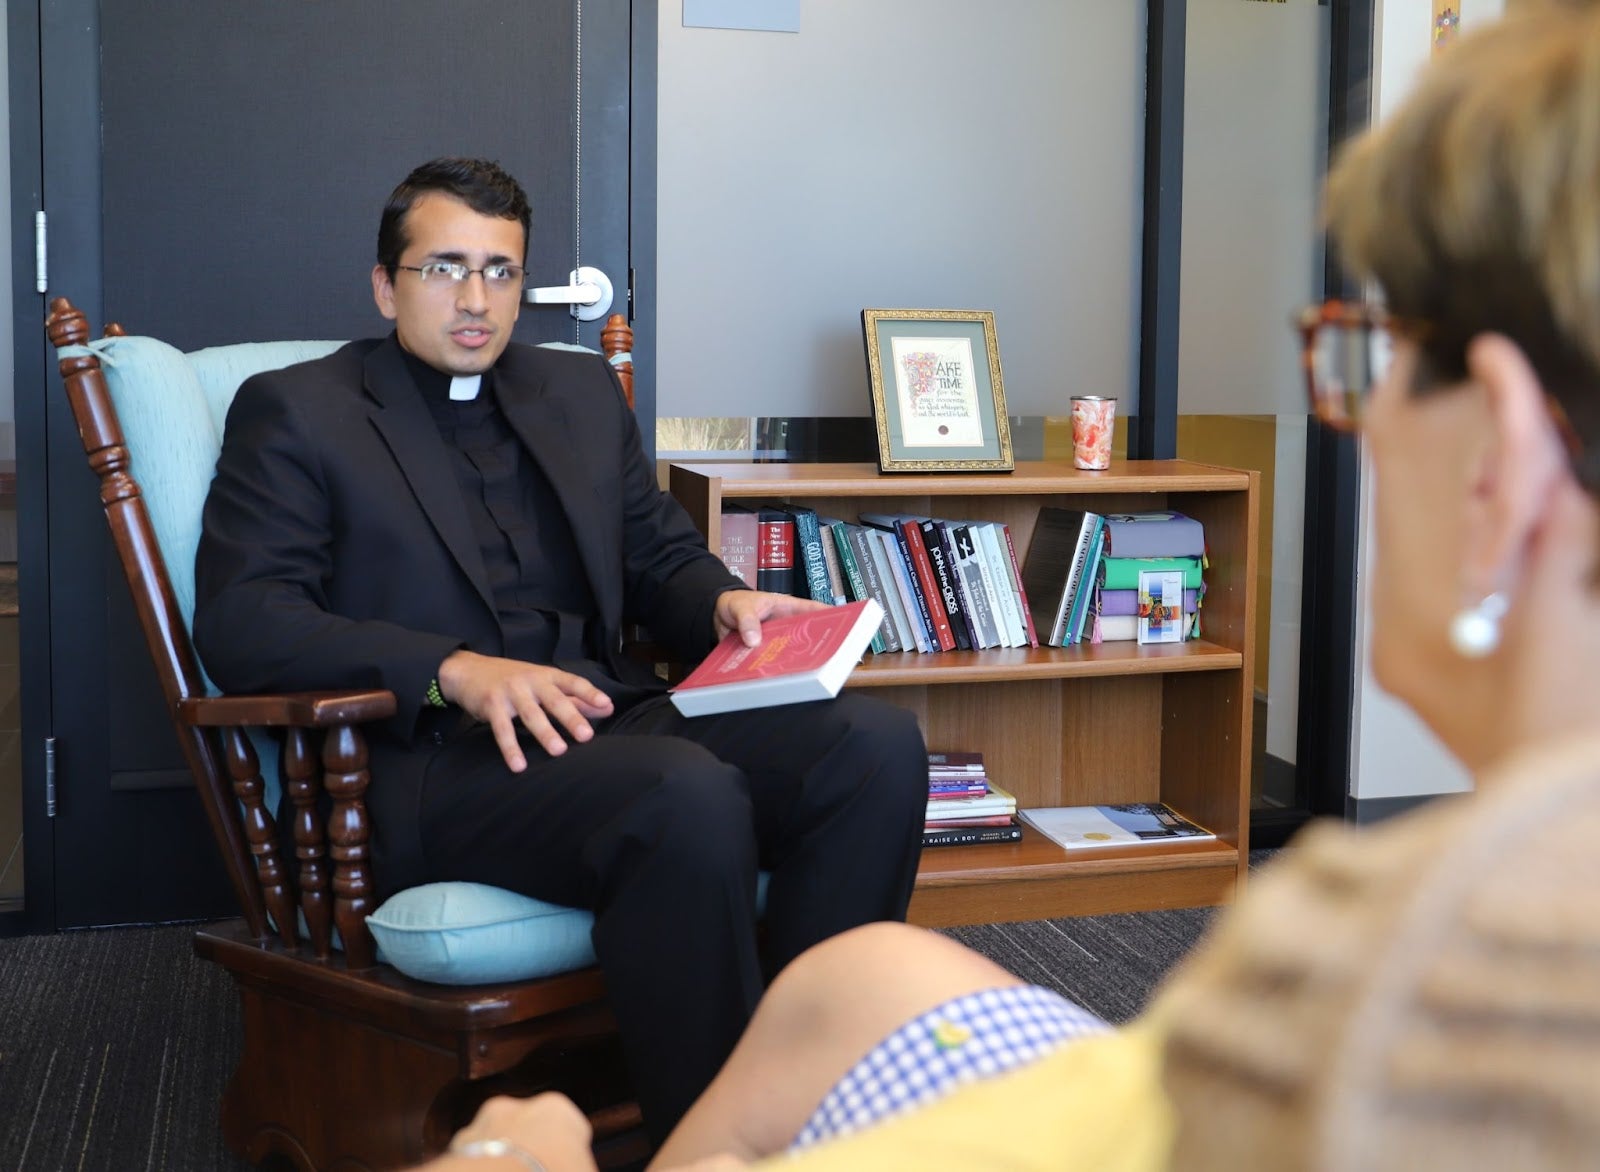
(546, 430)
(403, 421)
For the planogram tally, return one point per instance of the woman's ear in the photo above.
(1523, 463)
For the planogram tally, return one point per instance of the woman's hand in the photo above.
(549, 1127)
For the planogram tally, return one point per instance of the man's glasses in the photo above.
(451, 273)
(1346, 348)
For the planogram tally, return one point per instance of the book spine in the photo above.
(924, 615)
(847, 562)
(955, 762)
(942, 632)
(775, 559)
(888, 596)
(1091, 604)
(938, 546)
(967, 835)
(968, 557)
(1085, 585)
(986, 599)
(901, 575)
(1080, 557)
(1014, 568)
(997, 584)
(830, 554)
(737, 545)
(808, 536)
(886, 555)
(1123, 573)
(885, 639)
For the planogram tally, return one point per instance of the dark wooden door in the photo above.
(213, 173)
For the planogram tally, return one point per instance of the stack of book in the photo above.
(1152, 561)
(943, 585)
(964, 806)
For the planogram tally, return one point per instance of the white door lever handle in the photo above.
(589, 294)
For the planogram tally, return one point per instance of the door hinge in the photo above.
(49, 777)
(41, 252)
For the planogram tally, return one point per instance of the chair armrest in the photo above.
(339, 835)
(290, 709)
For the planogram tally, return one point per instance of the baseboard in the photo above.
(1366, 811)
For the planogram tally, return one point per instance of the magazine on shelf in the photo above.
(1131, 824)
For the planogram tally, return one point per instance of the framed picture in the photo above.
(937, 396)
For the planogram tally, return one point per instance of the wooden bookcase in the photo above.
(1114, 722)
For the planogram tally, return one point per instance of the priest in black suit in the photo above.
(469, 523)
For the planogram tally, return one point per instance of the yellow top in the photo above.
(1377, 993)
(1094, 1103)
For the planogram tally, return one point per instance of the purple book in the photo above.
(1163, 534)
(1122, 602)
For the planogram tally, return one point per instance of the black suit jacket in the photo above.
(336, 551)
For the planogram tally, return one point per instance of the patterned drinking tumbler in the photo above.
(1092, 420)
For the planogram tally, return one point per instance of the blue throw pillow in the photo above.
(472, 934)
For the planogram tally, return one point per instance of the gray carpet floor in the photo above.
(115, 1044)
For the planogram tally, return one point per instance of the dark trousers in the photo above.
(660, 824)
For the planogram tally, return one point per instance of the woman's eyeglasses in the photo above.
(1346, 348)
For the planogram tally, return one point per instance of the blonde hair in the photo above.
(1477, 205)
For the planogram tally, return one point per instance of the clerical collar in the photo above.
(438, 387)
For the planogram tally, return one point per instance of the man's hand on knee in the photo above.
(502, 692)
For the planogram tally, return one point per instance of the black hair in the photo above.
(479, 183)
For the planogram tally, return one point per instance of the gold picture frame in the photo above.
(937, 395)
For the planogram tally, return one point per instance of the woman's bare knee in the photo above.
(821, 1016)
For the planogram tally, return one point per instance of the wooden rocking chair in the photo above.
(346, 1062)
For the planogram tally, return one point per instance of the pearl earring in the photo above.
(1475, 631)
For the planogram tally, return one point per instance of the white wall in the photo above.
(1392, 753)
(1255, 132)
(899, 153)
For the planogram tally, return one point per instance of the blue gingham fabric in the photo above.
(974, 1036)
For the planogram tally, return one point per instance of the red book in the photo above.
(942, 631)
(958, 762)
(738, 546)
(800, 657)
(1016, 581)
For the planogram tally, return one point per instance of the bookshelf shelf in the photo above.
(1114, 722)
(1041, 663)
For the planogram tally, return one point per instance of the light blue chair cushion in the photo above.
(221, 369)
(472, 934)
